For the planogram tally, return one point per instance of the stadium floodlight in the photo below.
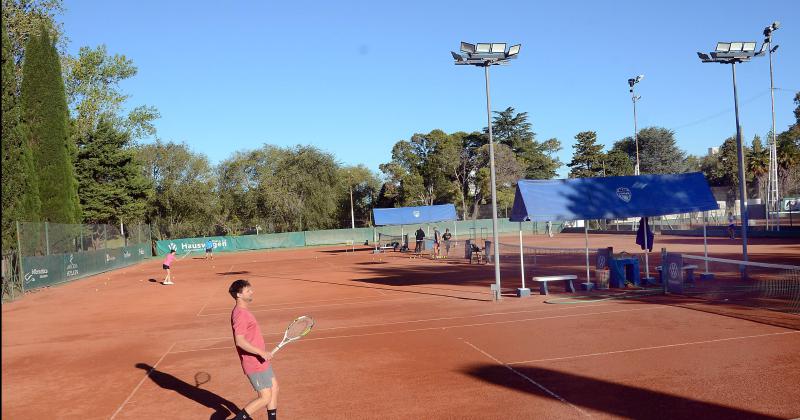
(483, 48)
(486, 55)
(732, 53)
(635, 98)
(467, 47)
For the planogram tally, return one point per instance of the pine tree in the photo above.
(587, 160)
(45, 113)
(20, 192)
(111, 183)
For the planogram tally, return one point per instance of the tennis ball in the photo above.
(96, 290)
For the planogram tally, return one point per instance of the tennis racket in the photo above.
(200, 378)
(299, 328)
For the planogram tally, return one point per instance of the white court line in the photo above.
(382, 324)
(141, 382)
(437, 328)
(542, 387)
(256, 307)
(208, 299)
(653, 347)
(330, 304)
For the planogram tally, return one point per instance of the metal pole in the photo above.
(521, 259)
(352, 213)
(646, 249)
(740, 159)
(494, 192)
(635, 133)
(773, 157)
(705, 242)
(20, 272)
(586, 237)
(47, 238)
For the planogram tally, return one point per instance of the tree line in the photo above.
(72, 153)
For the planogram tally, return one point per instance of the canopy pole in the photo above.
(646, 248)
(521, 259)
(705, 242)
(586, 237)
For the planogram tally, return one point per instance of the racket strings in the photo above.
(299, 328)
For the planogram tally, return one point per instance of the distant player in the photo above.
(209, 249)
(446, 237)
(166, 265)
(731, 226)
(437, 239)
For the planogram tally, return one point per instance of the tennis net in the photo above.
(546, 261)
(762, 285)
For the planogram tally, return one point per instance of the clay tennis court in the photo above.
(397, 338)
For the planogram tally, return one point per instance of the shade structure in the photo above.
(611, 197)
(414, 215)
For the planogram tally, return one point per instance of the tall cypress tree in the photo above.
(587, 160)
(45, 113)
(20, 191)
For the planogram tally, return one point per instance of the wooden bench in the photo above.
(688, 276)
(568, 286)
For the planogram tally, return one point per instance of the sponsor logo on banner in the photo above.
(416, 213)
(141, 251)
(624, 194)
(601, 261)
(36, 273)
(674, 271)
(173, 246)
(126, 254)
(72, 268)
(110, 258)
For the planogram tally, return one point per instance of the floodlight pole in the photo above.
(772, 184)
(496, 235)
(635, 132)
(740, 160)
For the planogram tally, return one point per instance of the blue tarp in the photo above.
(611, 197)
(414, 215)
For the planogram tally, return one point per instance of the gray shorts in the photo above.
(261, 380)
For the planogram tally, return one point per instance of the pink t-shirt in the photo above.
(244, 323)
(170, 258)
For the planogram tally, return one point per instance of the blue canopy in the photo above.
(611, 197)
(414, 215)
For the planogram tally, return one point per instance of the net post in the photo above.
(663, 274)
(523, 291)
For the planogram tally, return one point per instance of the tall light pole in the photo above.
(772, 183)
(632, 82)
(732, 53)
(485, 55)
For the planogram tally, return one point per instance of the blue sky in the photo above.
(354, 77)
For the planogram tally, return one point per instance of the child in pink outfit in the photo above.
(166, 266)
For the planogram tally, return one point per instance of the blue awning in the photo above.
(414, 215)
(611, 197)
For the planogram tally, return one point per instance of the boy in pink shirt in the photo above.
(252, 352)
(167, 264)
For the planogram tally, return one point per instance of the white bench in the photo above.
(568, 286)
(688, 277)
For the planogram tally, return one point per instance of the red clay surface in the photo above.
(397, 338)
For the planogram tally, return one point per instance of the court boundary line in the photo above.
(540, 386)
(266, 307)
(208, 299)
(437, 328)
(328, 305)
(717, 340)
(147, 375)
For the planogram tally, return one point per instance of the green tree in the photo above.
(364, 186)
(658, 151)
(184, 202)
(757, 166)
(23, 18)
(111, 181)
(46, 117)
(20, 190)
(508, 170)
(92, 86)
(514, 131)
(587, 159)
